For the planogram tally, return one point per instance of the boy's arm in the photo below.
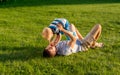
(72, 38)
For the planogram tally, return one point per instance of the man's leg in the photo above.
(95, 31)
(92, 36)
(96, 44)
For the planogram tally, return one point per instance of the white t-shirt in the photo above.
(63, 48)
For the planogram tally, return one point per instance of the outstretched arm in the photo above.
(72, 40)
(56, 40)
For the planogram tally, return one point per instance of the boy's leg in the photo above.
(74, 29)
(92, 36)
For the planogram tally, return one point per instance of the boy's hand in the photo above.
(60, 27)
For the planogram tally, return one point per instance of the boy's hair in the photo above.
(47, 53)
(47, 31)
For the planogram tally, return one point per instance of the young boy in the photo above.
(48, 32)
(73, 45)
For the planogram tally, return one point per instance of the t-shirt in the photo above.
(63, 48)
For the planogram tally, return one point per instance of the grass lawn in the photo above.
(21, 44)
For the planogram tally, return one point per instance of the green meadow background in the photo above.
(21, 44)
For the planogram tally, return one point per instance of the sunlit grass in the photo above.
(21, 44)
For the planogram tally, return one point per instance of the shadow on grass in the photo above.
(20, 53)
(19, 3)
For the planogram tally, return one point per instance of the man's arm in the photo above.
(72, 40)
(56, 40)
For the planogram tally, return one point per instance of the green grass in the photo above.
(21, 44)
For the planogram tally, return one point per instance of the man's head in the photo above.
(47, 33)
(49, 51)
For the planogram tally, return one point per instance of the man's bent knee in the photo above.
(98, 26)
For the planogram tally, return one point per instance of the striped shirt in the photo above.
(63, 22)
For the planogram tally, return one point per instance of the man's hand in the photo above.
(60, 27)
(52, 44)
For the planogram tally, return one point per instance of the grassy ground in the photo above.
(21, 44)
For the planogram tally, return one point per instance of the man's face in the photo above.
(52, 49)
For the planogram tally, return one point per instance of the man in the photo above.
(75, 44)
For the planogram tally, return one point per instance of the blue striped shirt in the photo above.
(64, 22)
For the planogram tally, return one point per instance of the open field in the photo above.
(21, 44)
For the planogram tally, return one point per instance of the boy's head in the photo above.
(47, 33)
(49, 51)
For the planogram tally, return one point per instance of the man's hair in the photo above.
(47, 53)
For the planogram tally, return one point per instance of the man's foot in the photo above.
(99, 45)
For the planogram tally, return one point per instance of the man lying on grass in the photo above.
(75, 44)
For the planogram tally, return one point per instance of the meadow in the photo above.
(21, 43)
